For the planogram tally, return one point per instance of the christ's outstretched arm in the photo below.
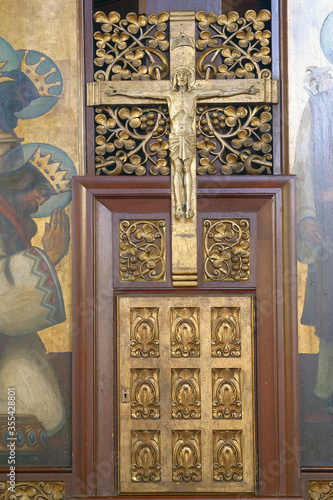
(206, 94)
(133, 93)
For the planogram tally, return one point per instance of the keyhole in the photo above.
(125, 396)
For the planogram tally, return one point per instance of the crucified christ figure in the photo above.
(182, 100)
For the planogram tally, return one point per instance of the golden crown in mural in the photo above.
(51, 171)
(39, 80)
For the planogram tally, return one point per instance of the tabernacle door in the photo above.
(182, 384)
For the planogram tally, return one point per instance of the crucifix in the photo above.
(181, 94)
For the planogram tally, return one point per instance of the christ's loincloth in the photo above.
(182, 147)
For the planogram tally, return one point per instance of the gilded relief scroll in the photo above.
(186, 393)
(146, 456)
(225, 331)
(186, 456)
(144, 332)
(145, 393)
(185, 334)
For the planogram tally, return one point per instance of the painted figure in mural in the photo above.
(314, 169)
(182, 101)
(30, 85)
(34, 182)
(29, 284)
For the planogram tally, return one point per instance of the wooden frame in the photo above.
(94, 355)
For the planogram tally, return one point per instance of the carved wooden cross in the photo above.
(182, 96)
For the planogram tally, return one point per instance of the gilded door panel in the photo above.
(186, 394)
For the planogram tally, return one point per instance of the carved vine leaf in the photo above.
(132, 140)
(31, 490)
(234, 140)
(233, 47)
(226, 250)
(134, 48)
(142, 250)
(320, 490)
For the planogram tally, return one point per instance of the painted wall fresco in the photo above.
(39, 134)
(311, 154)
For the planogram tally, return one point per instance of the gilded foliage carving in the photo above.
(132, 48)
(226, 335)
(185, 332)
(142, 250)
(228, 456)
(186, 456)
(144, 332)
(132, 140)
(234, 139)
(186, 393)
(146, 456)
(231, 46)
(145, 393)
(227, 393)
(226, 250)
(42, 490)
(320, 490)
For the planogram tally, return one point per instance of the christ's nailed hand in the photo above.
(56, 237)
(110, 91)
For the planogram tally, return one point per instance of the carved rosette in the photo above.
(231, 46)
(185, 332)
(320, 490)
(142, 250)
(226, 335)
(228, 456)
(133, 48)
(234, 139)
(227, 393)
(186, 456)
(43, 490)
(226, 250)
(186, 393)
(144, 332)
(132, 140)
(146, 456)
(145, 393)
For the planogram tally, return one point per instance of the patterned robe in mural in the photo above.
(314, 170)
(30, 300)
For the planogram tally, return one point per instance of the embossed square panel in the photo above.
(185, 421)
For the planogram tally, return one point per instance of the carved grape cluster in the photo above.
(234, 140)
(132, 140)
